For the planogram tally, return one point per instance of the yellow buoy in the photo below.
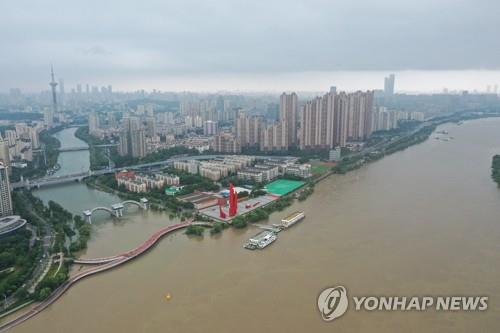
(168, 297)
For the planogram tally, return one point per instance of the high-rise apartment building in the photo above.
(138, 143)
(274, 137)
(5, 195)
(11, 137)
(4, 153)
(93, 123)
(226, 143)
(34, 137)
(317, 123)
(150, 123)
(210, 127)
(389, 85)
(248, 130)
(132, 138)
(123, 143)
(288, 115)
(360, 111)
(330, 120)
(48, 118)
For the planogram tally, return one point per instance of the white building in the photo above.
(210, 127)
(5, 197)
(259, 173)
(299, 170)
(335, 154)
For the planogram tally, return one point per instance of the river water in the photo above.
(71, 162)
(424, 221)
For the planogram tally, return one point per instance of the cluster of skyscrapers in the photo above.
(321, 123)
(226, 125)
(132, 138)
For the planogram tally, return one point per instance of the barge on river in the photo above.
(292, 219)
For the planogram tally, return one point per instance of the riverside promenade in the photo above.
(104, 264)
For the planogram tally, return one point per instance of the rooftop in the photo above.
(11, 223)
(263, 235)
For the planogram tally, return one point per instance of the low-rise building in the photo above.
(210, 173)
(335, 154)
(259, 173)
(190, 166)
(132, 185)
(168, 179)
(142, 182)
(299, 170)
(200, 200)
(150, 181)
(136, 186)
(11, 223)
(125, 174)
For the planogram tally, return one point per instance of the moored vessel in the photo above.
(292, 219)
(261, 240)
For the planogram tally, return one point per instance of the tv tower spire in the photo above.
(53, 85)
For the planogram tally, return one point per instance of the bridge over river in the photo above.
(77, 177)
(115, 210)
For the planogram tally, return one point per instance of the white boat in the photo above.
(292, 219)
(262, 239)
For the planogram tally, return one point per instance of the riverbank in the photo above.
(495, 169)
(307, 201)
(42, 162)
(351, 162)
(374, 229)
(355, 161)
(97, 156)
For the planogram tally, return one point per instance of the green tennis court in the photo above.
(283, 186)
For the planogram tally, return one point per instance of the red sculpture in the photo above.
(233, 201)
(221, 212)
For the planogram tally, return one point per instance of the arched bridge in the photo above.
(143, 247)
(116, 210)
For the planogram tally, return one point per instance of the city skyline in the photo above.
(407, 81)
(289, 160)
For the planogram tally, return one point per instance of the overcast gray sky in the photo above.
(131, 43)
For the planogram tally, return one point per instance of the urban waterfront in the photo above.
(74, 161)
(423, 221)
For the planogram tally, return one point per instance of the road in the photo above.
(56, 180)
(42, 265)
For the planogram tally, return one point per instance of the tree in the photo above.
(195, 230)
(239, 222)
(43, 294)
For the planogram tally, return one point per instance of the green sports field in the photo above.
(283, 186)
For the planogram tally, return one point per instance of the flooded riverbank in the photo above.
(423, 221)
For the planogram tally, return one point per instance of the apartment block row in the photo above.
(140, 183)
(217, 168)
(384, 119)
(321, 123)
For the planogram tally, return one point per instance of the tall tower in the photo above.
(53, 85)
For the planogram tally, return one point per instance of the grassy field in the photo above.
(319, 168)
(283, 186)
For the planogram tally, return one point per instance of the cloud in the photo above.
(96, 51)
(100, 39)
